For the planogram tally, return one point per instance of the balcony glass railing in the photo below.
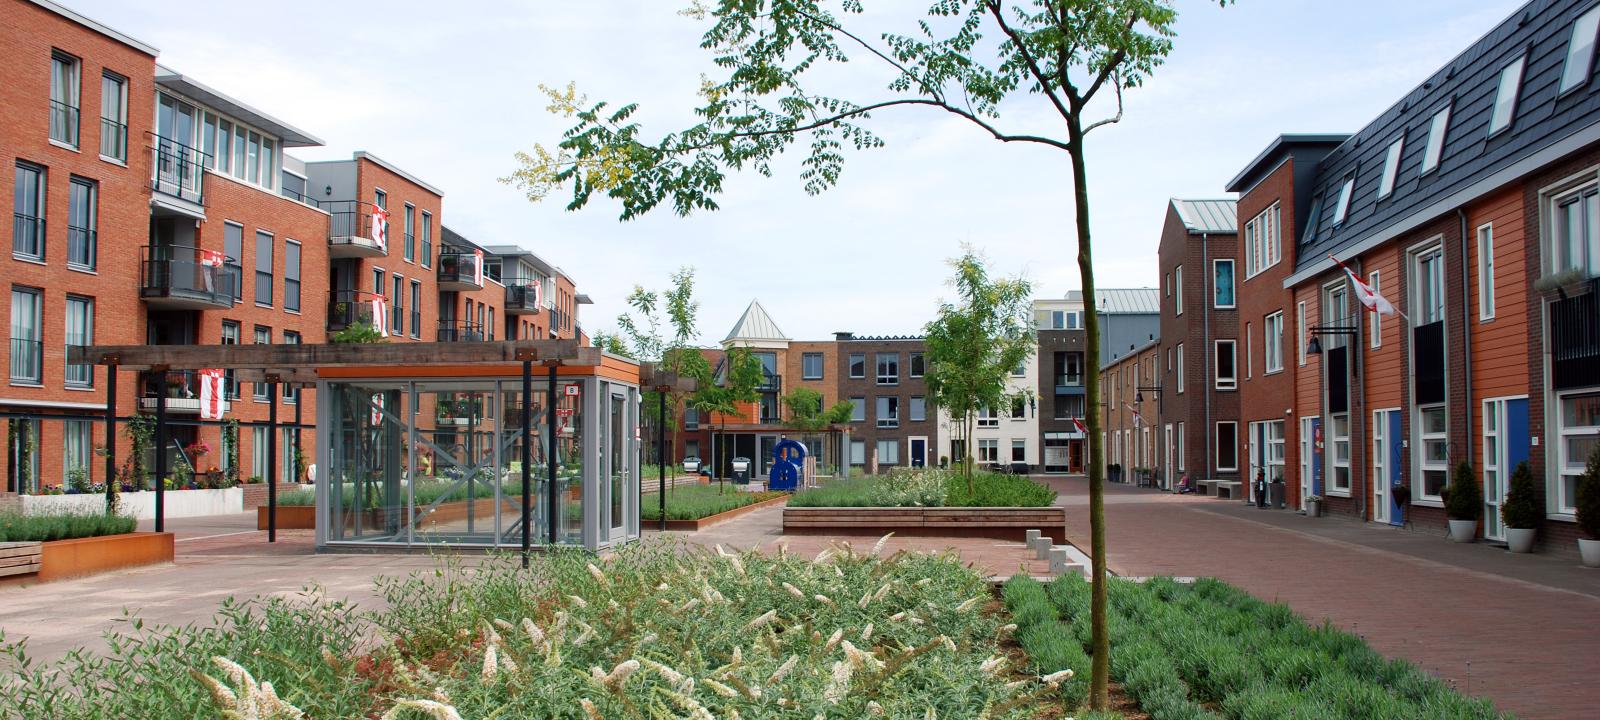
(458, 266)
(181, 272)
(27, 235)
(349, 308)
(1069, 379)
(522, 296)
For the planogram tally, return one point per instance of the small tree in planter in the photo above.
(1521, 511)
(1589, 510)
(1464, 504)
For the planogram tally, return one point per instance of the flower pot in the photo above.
(1520, 540)
(1314, 508)
(1463, 531)
(1590, 551)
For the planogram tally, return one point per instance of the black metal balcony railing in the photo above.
(177, 272)
(349, 308)
(522, 297)
(459, 331)
(182, 388)
(771, 384)
(63, 122)
(458, 267)
(27, 235)
(80, 247)
(298, 196)
(179, 170)
(27, 360)
(1575, 339)
(113, 139)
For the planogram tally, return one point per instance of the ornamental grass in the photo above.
(16, 527)
(693, 502)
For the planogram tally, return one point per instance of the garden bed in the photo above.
(1003, 523)
(928, 487)
(304, 517)
(32, 561)
(699, 506)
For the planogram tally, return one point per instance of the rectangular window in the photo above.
(1436, 131)
(1375, 320)
(113, 116)
(1575, 232)
(988, 450)
(858, 409)
(1261, 236)
(917, 365)
(291, 276)
(1485, 272)
(1177, 281)
(858, 365)
(27, 212)
(258, 452)
(1391, 168)
(691, 421)
(239, 150)
(1180, 368)
(1339, 455)
(1223, 292)
(411, 233)
(1019, 451)
(490, 326)
(1580, 51)
(1019, 409)
(380, 198)
(252, 172)
(811, 366)
(1432, 429)
(1272, 341)
(1179, 447)
(230, 336)
(263, 269)
(888, 411)
(80, 332)
(1505, 99)
(919, 408)
(233, 256)
(427, 239)
(27, 333)
(1227, 371)
(1249, 350)
(416, 309)
(888, 452)
(1342, 209)
(1058, 320)
(1579, 432)
(77, 448)
(888, 368)
(269, 168)
(1428, 287)
(987, 418)
(1228, 446)
(82, 223)
(397, 313)
(64, 98)
(263, 336)
(290, 392)
(858, 452)
(208, 140)
(224, 145)
(1300, 330)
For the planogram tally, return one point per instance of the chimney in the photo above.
(843, 336)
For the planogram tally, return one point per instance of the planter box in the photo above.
(709, 520)
(255, 494)
(304, 517)
(59, 559)
(290, 517)
(1005, 523)
(141, 504)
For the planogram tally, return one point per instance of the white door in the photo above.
(1494, 470)
(1166, 469)
(1306, 431)
(1381, 479)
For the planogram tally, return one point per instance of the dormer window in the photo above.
(1436, 132)
(1505, 100)
(1391, 168)
(1311, 221)
(1342, 210)
(1580, 51)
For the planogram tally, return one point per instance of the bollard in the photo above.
(1030, 537)
(1041, 548)
(1059, 560)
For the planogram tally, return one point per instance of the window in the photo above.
(1179, 444)
(233, 260)
(1485, 272)
(427, 239)
(223, 144)
(1272, 341)
(1222, 295)
(1300, 330)
(27, 350)
(80, 332)
(416, 309)
(858, 365)
(1579, 431)
(1228, 445)
(411, 233)
(1580, 51)
(919, 408)
(114, 117)
(397, 313)
(260, 392)
(1336, 312)
(691, 421)
(811, 366)
(291, 276)
(1310, 233)
(888, 411)
(916, 365)
(263, 269)
(64, 98)
(1227, 373)
(858, 409)
(491, 325)
(1019, 408)
(208, 142)
(1575, 232)
(1375, 319)
(269, 165)
(858, 452)
(1435, 456)
(230, 336)
(77, 447)
(1339, 457)
(888, 452)
(1249, 350)
(1428, 285)
(1021, 370)
(1180, 368)
(258, 454)
(1058, 320)
(239, 149)
(1019, 451)
(82, 223)
(1177, 298)
(988, 450)
(380, 198)
(1261, 236)
(1075, 320)
(1436, 131)
(888, 368)
(1391, 168)
(987, 418)
(1342, 209)
(27, 212)
(1505, 99)
(290, 392)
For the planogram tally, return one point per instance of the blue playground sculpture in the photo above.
(788, 461)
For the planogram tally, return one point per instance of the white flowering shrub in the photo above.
(905, 487)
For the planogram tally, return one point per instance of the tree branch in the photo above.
(1033, 66)
(935, 92)
(1111, 66)
(960, 112)
(1113, 119)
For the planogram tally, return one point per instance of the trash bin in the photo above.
(741, 471)
(1019, 468)
(1278, 494)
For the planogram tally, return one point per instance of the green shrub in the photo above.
(1465, 499)
(1521, 508)
(996, 490)
(1589, 496)
(921, 487)
(16, 527)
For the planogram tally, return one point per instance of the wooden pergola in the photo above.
(299, 365)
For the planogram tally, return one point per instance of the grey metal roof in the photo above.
(457, 240)
(289, 135)
(1282, 143)
(755, 324)
(1544, 128)
(1211, 217)
(1123, 301)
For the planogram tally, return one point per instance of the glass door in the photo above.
(1494, 468)
(617, 466)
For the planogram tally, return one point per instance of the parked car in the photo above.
(691, 464)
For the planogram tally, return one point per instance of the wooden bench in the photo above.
(20, 558)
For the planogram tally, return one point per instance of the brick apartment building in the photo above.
(1058, 324)
(176, 217)
(1129, 432)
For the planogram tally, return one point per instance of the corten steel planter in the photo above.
(709, 520)
(304, 517)
(1003, 523)
(61, 559)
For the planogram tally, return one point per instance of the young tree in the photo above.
(733, 388)
(807, 415)
(966, 59)
(642, 339)
(975, 342)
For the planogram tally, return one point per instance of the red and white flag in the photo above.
(478, 273)
(1369, 298)
(377, 409)
(211, 396)
(211, 258)
(1078, 423)
(380, 314)
(1138, 420)
(380, 227)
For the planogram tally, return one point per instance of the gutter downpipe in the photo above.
(1205, 352)
(1466, 333)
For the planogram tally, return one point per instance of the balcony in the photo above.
(460, 331)
(460, 270)
(522, 298)
(178, 171)
(183, 392)
(1069, 384)
(1575, 338)
(350, 308)
(350, 231)
(174, 277)
(27, 361)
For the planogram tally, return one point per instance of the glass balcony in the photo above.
(460, 331)
(350, 230)
(174, 277)
(182, 388)
(459, 270)
(349, 308)
(522, 298)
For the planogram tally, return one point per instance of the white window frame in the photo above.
(1249, 350)
(1556, 244)
(1580, 52)
(892, 444)
(1375, 319)
(1231, 382)
(1565, 502)
(1485, 272)
(1272, 341)
(1300, 331)
(1421, 462)
(1391, 167)
(988, 450)
(1438, 129)
(1505, 98)
(1180, 368)
(1177, 282)
(82, 325)
(1338, 460)
(1421, 310)
(1341, 210)
(1233, 284)
(1179, 446)
(1263, 242)
(1235, 448)
(987, 418)
(1019, 444)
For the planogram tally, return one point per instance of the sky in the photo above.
(449, 91)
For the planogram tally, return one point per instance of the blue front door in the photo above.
(1397, 468)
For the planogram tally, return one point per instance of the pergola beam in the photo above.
(309, 357)
(651, 377)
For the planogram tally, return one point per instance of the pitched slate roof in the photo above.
(1123, 301)
(1210, 217)
(755, 324)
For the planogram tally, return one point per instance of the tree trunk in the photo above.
(1101, 644)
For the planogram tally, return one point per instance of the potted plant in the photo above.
(1521, 511)
(1314, 505)
(1464, 504)
(1589, 510)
